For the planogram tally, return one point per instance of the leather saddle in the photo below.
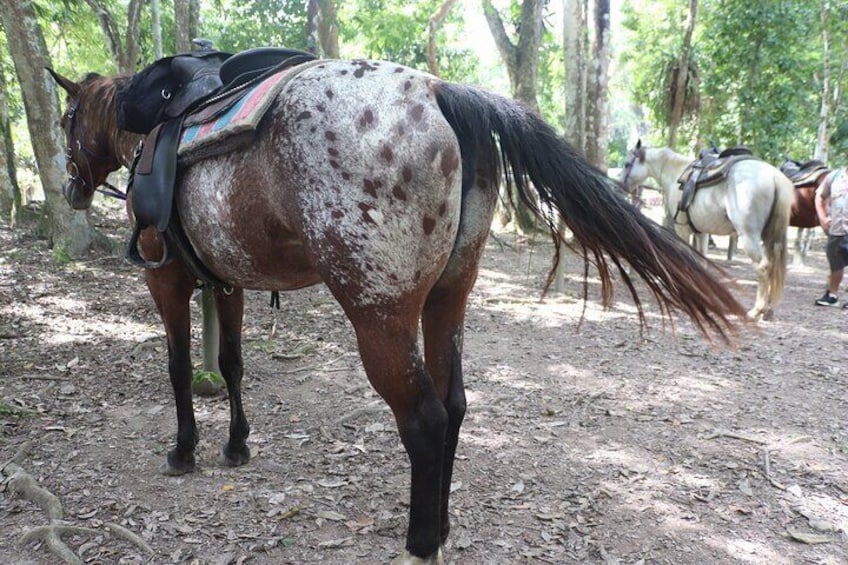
(806, 174)
(710, 168)
(202, 82)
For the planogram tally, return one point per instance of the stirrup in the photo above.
(134, 256)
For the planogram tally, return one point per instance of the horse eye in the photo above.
(166, 94)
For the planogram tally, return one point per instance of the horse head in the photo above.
(634, 171)
(87, 123)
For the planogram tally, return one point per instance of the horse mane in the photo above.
(101, 92)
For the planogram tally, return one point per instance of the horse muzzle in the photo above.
(76, 195)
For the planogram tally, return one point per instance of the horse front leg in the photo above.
(171, 288)
(389, 351)
(230, 317)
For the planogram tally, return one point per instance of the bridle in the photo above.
(73, 168)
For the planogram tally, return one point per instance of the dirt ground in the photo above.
(589, 444)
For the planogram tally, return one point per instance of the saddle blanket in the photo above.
(224, 130)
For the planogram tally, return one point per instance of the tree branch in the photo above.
(507, 49)
(436, 21)
(109, 28)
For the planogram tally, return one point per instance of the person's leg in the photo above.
(834, 280)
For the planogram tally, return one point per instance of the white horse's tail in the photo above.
(775, 236)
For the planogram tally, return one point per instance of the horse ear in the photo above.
(67, 84)
(639, 144)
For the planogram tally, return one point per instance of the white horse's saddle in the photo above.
(711, 168)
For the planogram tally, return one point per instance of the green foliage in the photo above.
(207, 383)
(235, 25)
(764, 81)
(397, 30)
(61, 256)
(14, 411)
(551, 78)
(759, 63)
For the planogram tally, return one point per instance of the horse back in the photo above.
(354, 179)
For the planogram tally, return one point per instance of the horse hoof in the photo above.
(174, 466)
(768, 315)
(234, 457)
(407, 558)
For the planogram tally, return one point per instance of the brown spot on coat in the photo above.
(398, 192)
(330, 136)
(370, 187)
(387, 154)
(450, 162)
(443, 208)
(333, 152)
(407, 173)
(337, 214)
(429, 225)
(417, 112)
(367, 119)
(329, 93)
(305, 115)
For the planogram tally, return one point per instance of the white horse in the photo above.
(753, 203)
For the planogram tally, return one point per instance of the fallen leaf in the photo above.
(808, 538)
(330, 515)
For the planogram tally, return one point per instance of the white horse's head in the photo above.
(635, 169)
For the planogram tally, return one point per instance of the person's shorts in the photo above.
(837, 251)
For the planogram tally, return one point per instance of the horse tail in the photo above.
(606, 227)
(775, 237)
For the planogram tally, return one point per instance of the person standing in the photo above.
(832, 209)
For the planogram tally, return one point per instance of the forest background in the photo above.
(768, 74)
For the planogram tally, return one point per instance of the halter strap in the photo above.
(74, 169)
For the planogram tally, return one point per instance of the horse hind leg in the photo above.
(394, 365)
(230, 309)
(442, 321)
(762, 266)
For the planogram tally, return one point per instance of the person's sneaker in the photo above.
(827, 300)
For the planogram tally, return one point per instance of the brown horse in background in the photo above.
(803, 214)
(380, 182)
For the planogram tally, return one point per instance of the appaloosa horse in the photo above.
(753, 202)
(380, 181)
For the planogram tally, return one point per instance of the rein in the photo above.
(73, 169)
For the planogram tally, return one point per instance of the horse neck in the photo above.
(665, 166)
(115, 143)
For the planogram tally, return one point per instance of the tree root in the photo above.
(24, 485)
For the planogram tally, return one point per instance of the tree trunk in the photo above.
(574, 55)
(435, 23)
(574, 51)
(186, 14)
(109, 29)
(130, 60)
(824, 110)
(521, 59)
(156, 24)
(597, 111)
(679, 98)
(69, 231)
(124, 53)
(328, 29)
(11, 200)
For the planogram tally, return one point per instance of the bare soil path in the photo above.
(590, 443)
